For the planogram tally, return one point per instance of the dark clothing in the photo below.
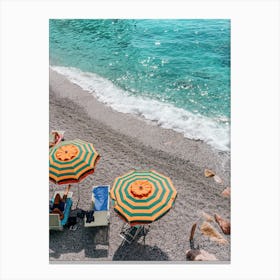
(60, 206)
(58, 203)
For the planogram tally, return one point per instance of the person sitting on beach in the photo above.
(55, 138)
(57, 207)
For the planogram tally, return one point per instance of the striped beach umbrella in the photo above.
(71, 161)
(142, 196)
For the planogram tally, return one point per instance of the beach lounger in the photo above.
(53, 140)
(54, 221)
(100, 203)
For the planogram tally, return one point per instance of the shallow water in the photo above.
(173, 72)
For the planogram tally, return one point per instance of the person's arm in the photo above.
(68, 189)
(66, 192)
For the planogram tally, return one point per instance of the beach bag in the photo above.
(90, 216)
(72, 220)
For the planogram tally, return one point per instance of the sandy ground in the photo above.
(127, 142)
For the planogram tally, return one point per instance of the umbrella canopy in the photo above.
(71, 161)
(142, 196)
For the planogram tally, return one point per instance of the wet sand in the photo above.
(128, 142)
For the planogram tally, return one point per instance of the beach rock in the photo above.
(207, 217)
(226, 192)
(200, 255)
(218, 179)
(224, 225)
(209, 173)
(212, 233)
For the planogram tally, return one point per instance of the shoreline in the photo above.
(126, 142)
(136, 127)
(166, 115)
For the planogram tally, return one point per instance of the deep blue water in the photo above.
(182, 65)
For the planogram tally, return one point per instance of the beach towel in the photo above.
(101, 198)
(66, 211)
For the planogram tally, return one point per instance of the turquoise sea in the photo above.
(173, 72)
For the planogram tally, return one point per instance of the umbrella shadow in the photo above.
(139, 252)
(90, 241)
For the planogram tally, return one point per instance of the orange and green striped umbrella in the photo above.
(142, 196)
(71, 161)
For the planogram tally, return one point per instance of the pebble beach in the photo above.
(127, 142)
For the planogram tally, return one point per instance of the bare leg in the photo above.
(57, 211)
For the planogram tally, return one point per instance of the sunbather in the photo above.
(57, 207)
(55, 138)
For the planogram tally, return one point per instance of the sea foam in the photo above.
(193, 126)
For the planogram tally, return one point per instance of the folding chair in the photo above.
(130, 234)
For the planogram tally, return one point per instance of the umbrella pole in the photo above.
(78, 196)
